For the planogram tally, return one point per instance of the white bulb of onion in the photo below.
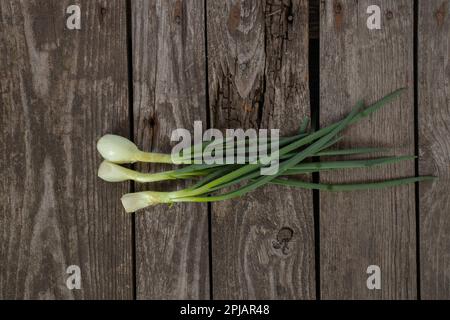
(112, 172)
(139, 200)
(117, 149)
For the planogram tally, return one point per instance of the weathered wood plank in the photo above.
(359, 229)
(263, 243)
(169, 93)
(60, 90)
(434, 146)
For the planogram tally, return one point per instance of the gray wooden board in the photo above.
(60, 90)
(365, 228)
(169, 93)
(262, 243)
(434, 147)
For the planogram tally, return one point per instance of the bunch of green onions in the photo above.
(211, 179)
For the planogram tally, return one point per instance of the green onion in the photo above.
(118, 149)
(211, 179)
(112, 172)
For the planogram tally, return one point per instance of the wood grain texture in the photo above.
(60, 91)
(262, 243)
(434, 146)
(365, 228)
(169, 93)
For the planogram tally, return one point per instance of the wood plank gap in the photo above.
(314, 19)
(129, 34)
(208, 125)
(416, 140)
(314, 94)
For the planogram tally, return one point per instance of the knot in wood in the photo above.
(441, 13)
(338, 8)
(389, 15)
(178, 12)
(440, 16)
(234, 18)
(243, 66)
(281, 242)
(285, 235)
(151, 122)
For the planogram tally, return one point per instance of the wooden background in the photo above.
(141, 68)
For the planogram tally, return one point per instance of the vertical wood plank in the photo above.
(169, 93)
(365, 228)
(262, 243)
(60, 91)
(434, 146)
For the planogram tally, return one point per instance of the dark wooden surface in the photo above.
(61, 90)
(230, 64)
(434, 147)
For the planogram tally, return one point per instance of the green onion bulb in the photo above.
(139, 200)
(118, 149)
(112, 172)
